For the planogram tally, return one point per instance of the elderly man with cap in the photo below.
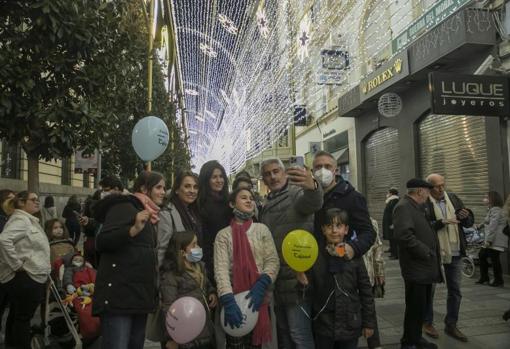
(448, 215)
(419, 259)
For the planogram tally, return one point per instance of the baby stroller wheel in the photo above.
(37, 342)
(468, 267)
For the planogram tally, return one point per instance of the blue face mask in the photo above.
(195, 255)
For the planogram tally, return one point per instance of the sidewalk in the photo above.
(480, 313)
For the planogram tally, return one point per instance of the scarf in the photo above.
(392, 197)
(188, 217)
(449, 234)
(243, 215)
(245, 274)
(150, 206)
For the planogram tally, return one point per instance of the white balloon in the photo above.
(150, 138)
(250, 317)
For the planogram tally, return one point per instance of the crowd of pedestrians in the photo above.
(204, 239)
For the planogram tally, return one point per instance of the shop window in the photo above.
(10, 161)
(337, 142)
(66, 171)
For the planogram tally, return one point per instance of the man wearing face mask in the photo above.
(339, 193)
(109, 185)
(419, 260)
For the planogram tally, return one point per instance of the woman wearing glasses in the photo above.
(24, 266)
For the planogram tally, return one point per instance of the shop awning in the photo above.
(341, 156)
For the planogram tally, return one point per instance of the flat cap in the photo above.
(418, 183)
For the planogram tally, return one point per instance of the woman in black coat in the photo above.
(126, 283)
(213, 206)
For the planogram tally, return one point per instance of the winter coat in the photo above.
(262, 248)
(465, 223)
(169, 223)
(343, 196)
(127, 276)
(387, 221)
(23, 244)
(494, 223)
(289, 209)
(374, 260)
(78, 276)
(215, 215)
(352, 306)
(3, 220)
(418, 245)
(174, 286)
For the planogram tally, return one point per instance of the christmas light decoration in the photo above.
(247, 63)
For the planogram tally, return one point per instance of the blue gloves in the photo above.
(258, 291)
(233, 315)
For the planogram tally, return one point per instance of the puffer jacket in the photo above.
(494, 223)
(351, 308)
(169, 223)
(127, 276)
(289, 209)
(174, 286)
(23, 244)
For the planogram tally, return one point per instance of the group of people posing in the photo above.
(152, 246)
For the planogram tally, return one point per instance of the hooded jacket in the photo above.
(343, 196)
(127, 277)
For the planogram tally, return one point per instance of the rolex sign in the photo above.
(455, 94)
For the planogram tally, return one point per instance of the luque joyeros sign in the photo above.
(456, 94)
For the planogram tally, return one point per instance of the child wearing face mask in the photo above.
(78, 281)
(60, 243)
(183, 273)
(342, 302)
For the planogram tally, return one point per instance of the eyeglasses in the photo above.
(33, 199)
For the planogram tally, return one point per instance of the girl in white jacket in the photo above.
(24, 266)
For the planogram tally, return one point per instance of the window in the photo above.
(10, 160)
(337, 142)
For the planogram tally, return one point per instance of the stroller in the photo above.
(61, 320)
(474, 242)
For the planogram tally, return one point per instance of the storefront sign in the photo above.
(314, 147)
(334, 63)
(396, 69)
(455, 94)
(437, 13)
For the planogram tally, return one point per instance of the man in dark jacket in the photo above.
(448, 215)
(419, 259)
(341, 194)
(295, 196)
(391, 200)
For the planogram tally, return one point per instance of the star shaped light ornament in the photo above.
(304, 38)
(228, 24)
(262, 23)
(208, 50)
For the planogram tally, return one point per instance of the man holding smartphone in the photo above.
(448, 215)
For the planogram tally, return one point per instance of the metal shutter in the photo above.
(455, 147)
(382, 169)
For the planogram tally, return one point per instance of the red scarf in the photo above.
(245, 274)
(150, 206)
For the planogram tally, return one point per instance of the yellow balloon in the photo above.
(300, 250)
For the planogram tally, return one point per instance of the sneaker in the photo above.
(430, 331)
(454, 332)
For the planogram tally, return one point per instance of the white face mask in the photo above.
(324, 177)
(77, 263)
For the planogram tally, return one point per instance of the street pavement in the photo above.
(480, 316)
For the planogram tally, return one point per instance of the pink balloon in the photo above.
(185, 319)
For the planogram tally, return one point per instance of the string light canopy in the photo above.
(246, 64)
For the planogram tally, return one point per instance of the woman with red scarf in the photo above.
(245, 259)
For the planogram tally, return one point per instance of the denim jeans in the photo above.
(123, 331)
(453, 275)
(294, 326)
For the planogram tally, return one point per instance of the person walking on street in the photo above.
(448, 215)
(48, 211)
(24, 267)
(419, 260)
(339, 193)
(127, 277)
(294, 198)
(495, 240)
(391, 200)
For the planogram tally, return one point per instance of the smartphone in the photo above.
(297, 161)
